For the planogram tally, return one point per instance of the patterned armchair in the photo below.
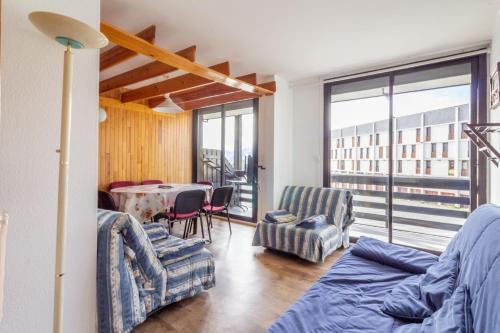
(141, 269)
(312, 242)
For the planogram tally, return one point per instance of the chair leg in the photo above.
(229, 222)
(208, 228)
(201, 226)
(186, 229)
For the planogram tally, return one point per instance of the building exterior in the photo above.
(430, 144)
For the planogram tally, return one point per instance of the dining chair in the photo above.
(152, 182)
(106, 201)
(218, 204)
(187, 207)
(120, 183)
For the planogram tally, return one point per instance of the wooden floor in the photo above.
(253, 287)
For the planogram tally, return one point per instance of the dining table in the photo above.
(145, 201)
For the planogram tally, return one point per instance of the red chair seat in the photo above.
(213, 209)
(171, 215)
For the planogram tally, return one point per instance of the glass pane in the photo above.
(239, 157)
(431, 155)
(359, 151)
(209, 147)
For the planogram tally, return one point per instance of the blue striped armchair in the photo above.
(141, 268)
(313, 242)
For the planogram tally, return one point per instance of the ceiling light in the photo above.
(168, 106)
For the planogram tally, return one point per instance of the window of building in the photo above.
(371, 166)
(464, 172)
(358, 141)
(380, 152)
(451, 168)
(404, 151)
(462, 132)
(342, 142)
(451, 132)
(377, 166)
(338, 143)
(371, 139)
(358, 165)
(367, 152)
(428, 167)
(400, 166)
(418, 135)
(353, 142)
(336, 154)
(361, 153)
(417, 168)
(445, 149)
(377, 139)
(428, 134)
(352, 165)
(342, 165)
(433, 150)
(413, 151)
(350, 153)
(400, 136)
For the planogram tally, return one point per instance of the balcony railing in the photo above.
(416, 200)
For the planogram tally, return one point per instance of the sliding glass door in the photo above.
(226, 150)
(359, 154)
(396, 141)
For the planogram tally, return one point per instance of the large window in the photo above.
(394, 199)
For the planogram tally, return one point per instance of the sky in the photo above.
(368, 110)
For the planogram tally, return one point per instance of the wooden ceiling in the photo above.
(200, 87)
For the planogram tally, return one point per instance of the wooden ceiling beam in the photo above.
(107, 102)
(213, 89)
(155, 101)
(117, 53)
(131, 42)
(144, 72)
(178, 83)
(222, 99)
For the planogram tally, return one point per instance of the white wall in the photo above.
(495, 117)
(275, 145)
(29, 136)
(307, 141)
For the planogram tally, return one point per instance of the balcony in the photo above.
(422, 219)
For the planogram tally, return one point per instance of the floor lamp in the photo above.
(73, 34)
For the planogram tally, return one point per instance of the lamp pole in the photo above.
(62, 198)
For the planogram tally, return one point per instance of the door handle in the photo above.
(261, 167)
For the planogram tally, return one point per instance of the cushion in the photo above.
(312, 219)
(403, 258)
(155, 231)
(181, 250)
(210, 208)
(404, 301)
(454, 316)
(279, 216)
(419, 296)
(439, 282)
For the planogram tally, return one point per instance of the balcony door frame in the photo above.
(255, 150)
(478, 114)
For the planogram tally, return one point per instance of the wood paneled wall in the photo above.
(137, 146)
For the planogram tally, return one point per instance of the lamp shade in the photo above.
(168, 106)
(102, 115)
(67, 30)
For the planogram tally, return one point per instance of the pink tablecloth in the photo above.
(144, 201)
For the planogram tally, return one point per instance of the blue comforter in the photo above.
(346, 299)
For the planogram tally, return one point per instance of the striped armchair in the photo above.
(312, 242)
(141, 268)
